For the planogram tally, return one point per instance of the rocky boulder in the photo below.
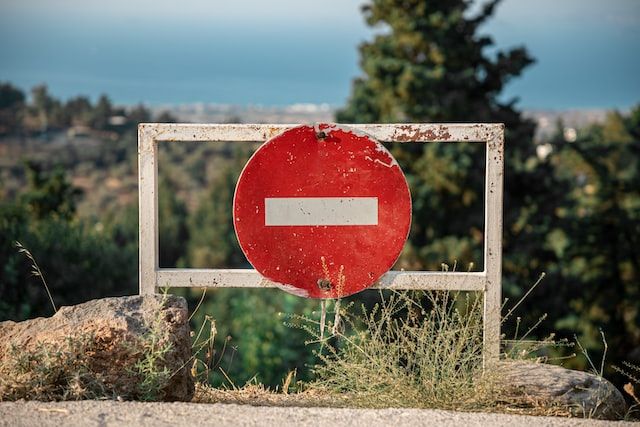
(133, 347)
(586, 395)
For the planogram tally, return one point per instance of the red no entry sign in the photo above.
(322, 211)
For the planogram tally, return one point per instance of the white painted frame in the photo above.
(488, 281)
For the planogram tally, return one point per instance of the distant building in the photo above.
(117, 120)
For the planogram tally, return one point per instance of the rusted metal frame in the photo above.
(488, 281)
(249, 278)
(420, 133)
(147, 210)
(493, 219)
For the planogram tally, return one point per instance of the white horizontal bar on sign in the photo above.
(283, 211)
(248, 278)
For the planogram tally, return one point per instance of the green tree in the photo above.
(11, 108)
(172, 229)
(78, 111)
(79, 262)
(101, 113)
(259, 342)
(598, 239)
(47, 109)
(49, 194)
(213, 242)
(138, 114)
(433, 65)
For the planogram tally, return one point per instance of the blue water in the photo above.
(586, 57)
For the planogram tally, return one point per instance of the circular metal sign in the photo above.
(322, 211)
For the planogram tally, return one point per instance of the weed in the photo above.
(419, 349)
(632, 372)
(205, 358)
(286, 383)
(73, 368)
(35, 270)
(50, 372)
(150, 367)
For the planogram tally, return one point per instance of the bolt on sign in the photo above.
(322, 211)
(318, 222)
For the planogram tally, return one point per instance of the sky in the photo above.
(295, 51)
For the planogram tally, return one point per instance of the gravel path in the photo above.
(111, 413)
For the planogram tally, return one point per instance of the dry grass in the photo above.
(258, 395)
(50, 372)
(69, 370)
(632, 388)
(65, 370)
(413, 349)
(35, 270)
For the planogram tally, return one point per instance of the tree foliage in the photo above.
(431, 63)
(49, 194)
(79, 263)
(214, 243)
(45, 113)
(11, 105)
(597, 238)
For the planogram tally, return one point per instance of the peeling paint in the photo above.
(388, 165)
(406, 133)
(382, 150)
(417, 132)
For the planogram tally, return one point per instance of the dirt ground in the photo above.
(113, 413)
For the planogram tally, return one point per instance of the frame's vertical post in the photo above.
(493, 245)
(148, 210)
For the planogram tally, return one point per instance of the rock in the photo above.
(134, 347)
(586, 395)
